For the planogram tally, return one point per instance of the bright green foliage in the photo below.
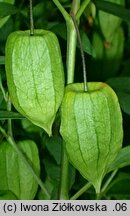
(114, 50)
(91, 126)
(3, 20)
(7, 195)
(98, 45)
(109, 23)
(14, 174)
(109, 53)
(35, 75)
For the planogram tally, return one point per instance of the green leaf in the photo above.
(72, 175)
(7, 9)
(53, 172)
(10, 115)
(60, 29)
(119, 188)
(121, 160)
(49, 185)
(53, 145)
(113, 8)
(30, 127)
(2, 60)
(87, 46)
(4, 19)
(121, 85)
(52, 169)
(109, 23)
(1, 97)
(7, 195)
(14, 174)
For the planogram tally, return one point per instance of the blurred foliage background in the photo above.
(106, 43)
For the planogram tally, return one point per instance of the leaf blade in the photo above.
(10, 115)
(113, 8)
(121, 160)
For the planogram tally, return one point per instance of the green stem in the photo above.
(81, 191)
(71, 51)
(81, 9)
(21, 155)
(71, 38)
(64, 176)
(31, 18)
(98, 196)
(62, 10)
(2, 89)
(9, 106)
(82, 53)
(109, 180)
(71, 43)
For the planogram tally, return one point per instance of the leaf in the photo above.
(53, 172)
(121, 85)
(29, 127)
(14, 174)
(53, 145)
(87, 46)
(60, 29)
(7, 9)
(2, 60)
(121, 160)
(124, 99)
(109, 23)
(10, 115)
(72, 175)
(1, 97)
(119, 188)
(52, 169)
(4, 19)
(7, 195)
(49, 185)
(113, 8)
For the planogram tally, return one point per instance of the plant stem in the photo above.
(62, 10)
(71, 38)
(71, 51)
(71, 43)
(8, 102)
(2, 89)
(31, 18)
(98, 197)
(64, 176)
(81, 191)
(21, 155)
(81, 9)
(109, 180)
(82, 53)
(9, 106)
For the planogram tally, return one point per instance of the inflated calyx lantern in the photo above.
(91, 126)
(35, 75)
